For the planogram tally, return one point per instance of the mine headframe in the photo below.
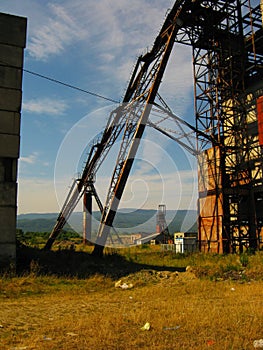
(227, 42)
(226, 37)
(161, 225)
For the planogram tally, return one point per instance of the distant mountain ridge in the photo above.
(126, 221)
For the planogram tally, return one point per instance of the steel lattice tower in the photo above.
(227, 44)
(227, 41)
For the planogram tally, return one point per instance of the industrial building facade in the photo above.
(228, 72)
(12, 44)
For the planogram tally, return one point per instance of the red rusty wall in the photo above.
(210, 204)
(260, 119)
(210, 223)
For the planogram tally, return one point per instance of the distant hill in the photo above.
(33, 216)
(126, 221)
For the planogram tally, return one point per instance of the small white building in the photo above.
(184, 243)
(179, 242)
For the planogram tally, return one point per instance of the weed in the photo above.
(34, 268)
(244, 259)
(145, 246)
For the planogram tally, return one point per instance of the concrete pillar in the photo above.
(12, 44)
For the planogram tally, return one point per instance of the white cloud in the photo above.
(111, 34)
(112, 29)
(52, 37)
(33, 164)
(45, 106)
(177, 86)
(31, 159)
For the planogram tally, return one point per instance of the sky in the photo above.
(94, 45)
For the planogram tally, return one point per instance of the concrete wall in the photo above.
(12, 44)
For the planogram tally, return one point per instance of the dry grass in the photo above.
(185, 312)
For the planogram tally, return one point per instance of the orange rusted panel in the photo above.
(209, 172)
(260, 119)
(210, 206)
(210, 228)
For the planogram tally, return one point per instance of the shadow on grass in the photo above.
(78, 264)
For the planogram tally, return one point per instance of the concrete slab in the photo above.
(10, 122)
(9, 146)
(8, 229)
(12, 30)
(8, 192)
(8, 254)
(8, 170)
(10, 99)
(11, 56)
(10, 77)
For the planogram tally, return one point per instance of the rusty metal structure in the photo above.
(161, 224)
(227, 42)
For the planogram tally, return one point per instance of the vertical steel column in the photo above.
(87, 216)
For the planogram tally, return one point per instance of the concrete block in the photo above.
(8, 235)
(8, 194)
(8, 228)
(10, 99)
(8, 169)
(13, 170)
(2, 170)
(9, 146)
(8, 225)
(7, 254)
(10, 122)
(11, 55)
(12, 30)
(7, 217)
(10, 77)
(12, 43)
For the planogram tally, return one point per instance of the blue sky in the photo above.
(94, 46)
